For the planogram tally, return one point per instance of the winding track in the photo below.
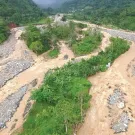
(41, 67)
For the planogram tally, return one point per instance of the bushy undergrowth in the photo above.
(88, 44)
(63, 99)
(43, 39)
(81, 25)
(4, 31)
(54, 53)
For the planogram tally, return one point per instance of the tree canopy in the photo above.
(120, 13)
(3, 31)
(19, 11)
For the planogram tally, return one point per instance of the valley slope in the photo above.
(120, 13)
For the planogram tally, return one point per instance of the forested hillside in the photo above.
(3, 31)
(19, 11)
(120, 13)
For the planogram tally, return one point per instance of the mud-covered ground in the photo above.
(19, 67)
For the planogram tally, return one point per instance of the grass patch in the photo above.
(42, 21)
(87, 44)
(54, 53)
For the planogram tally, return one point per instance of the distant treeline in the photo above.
(120, 13)
(19, 11)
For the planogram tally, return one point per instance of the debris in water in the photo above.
(116, 98)
(117, 103)
(121, 125)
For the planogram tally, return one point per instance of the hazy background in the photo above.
(49, 3)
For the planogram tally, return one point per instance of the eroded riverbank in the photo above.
(100, 116)
(41, 66)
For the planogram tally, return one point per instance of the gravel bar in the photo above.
(12, 69)
(122, 124)
(116, 97)
(8, 47)
(9, 106)
(121, 34)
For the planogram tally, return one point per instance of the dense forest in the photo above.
(4, 32)
(19, 11)
(120, 13)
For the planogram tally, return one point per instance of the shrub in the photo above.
(48, 37)
(54, 53)
(4, 31)
(88, 44)
(37, 47)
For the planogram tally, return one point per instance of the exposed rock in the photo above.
(121, 125)
(27, 109)
(8, 47)
(34, 82)
(108, 65)
(116, 97)
(65, 57)
(121, 105)
(12, 69)
(122, 34)
(9, 106)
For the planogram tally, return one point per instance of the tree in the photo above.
(66, 111)
(4, 31)
(37, 47)
(20, 11)
(64, 19)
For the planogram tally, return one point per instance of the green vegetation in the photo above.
(42, 21)
(63, 99)
(120, 13)
(4, 32)
(64, 19)
(54, 53)
(88, 44)
(62, 32)
(38, 42)
(37, 47)
(20, 11)
(81, 25)
(42, 39)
